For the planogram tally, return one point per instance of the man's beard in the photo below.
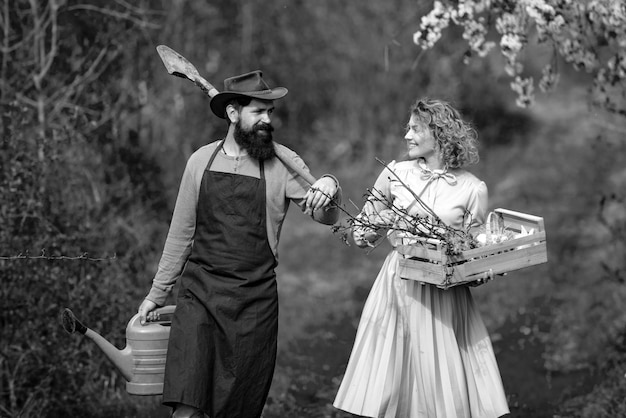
(257, 141)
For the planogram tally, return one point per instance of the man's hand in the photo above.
(146, 310)
(320, 194)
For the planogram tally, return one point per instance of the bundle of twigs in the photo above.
(427, 228)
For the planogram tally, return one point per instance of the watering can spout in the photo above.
(122, 359)
(142, 361)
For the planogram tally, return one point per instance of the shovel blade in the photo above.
(176, 64)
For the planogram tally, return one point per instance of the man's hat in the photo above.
(248, 85)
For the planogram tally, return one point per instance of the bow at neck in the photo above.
(430, 175)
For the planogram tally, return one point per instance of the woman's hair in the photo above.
(458, 143)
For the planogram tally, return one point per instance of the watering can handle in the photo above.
(162, 315)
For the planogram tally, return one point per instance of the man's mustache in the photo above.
(262, 126)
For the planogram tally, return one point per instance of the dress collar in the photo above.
(430, 175)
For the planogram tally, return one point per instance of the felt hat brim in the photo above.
(220, 100)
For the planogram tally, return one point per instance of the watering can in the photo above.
(142, 361)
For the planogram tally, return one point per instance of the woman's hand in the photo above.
(484, 278)
(386, 218)
(364, 237)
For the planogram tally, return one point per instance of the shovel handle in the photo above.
(205, 86)
(179, 66)
(308, 177)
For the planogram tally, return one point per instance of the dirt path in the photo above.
(314, 364)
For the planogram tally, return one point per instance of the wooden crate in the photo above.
(427, 262)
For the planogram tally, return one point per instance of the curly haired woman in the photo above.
(421, 351)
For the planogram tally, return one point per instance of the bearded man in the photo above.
(222, 242)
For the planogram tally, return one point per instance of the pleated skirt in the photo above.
(421, 351)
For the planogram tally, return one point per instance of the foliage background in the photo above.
(95, 135)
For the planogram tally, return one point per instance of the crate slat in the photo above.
(509, 245)
(508, 261)
(420, 251)
(425, 272)
(428, 265)
(421, 271)
(514, 220)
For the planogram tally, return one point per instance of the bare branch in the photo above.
(47, 59)
(61, 97)
(415, 196)
(26, 100)
(140, 10)
(425, 229)
(117, 15)
(4, 20)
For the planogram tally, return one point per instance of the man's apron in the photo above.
(222, 347)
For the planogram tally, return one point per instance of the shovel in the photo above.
(177, 65)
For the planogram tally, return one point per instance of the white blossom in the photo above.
(580, 32)
(511, 45)
(432, 25)
(475, 32)
(524, 88)
(509, 23)
(617, 67)
(513, 68)
(540, 11)
(578, 55)
(549, 79)
(462, 13)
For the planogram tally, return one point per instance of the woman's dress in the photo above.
(421, 351)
